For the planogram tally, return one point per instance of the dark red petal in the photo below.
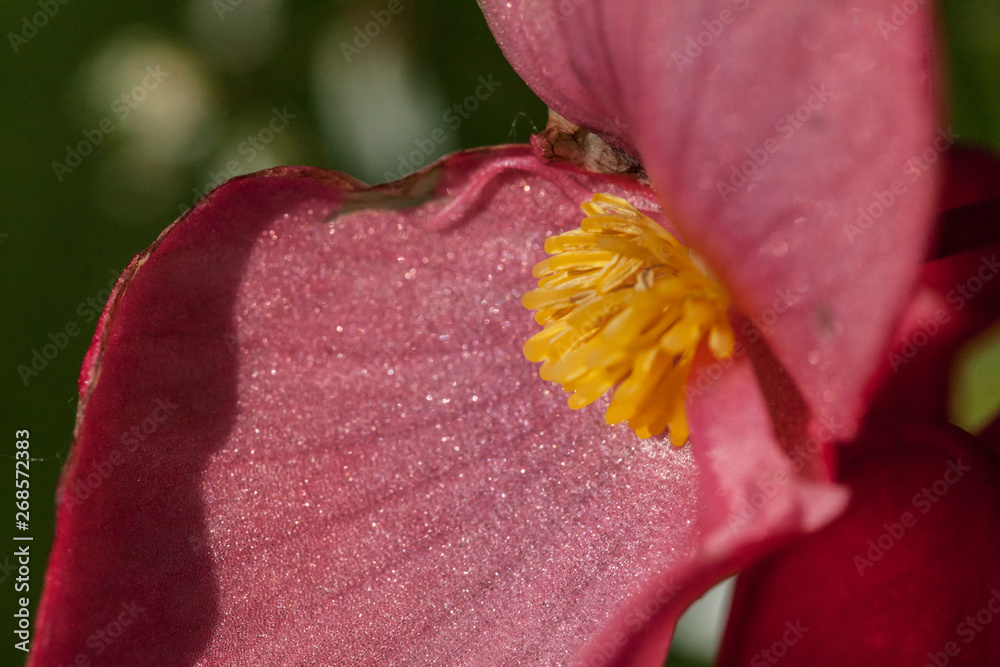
(780, 137)
(308, 436)
(957, 299)
(990, 436)
(971, 175)
(970, 202)
(907, 576)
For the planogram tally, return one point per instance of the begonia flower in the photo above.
(307, 431)
(908, 574)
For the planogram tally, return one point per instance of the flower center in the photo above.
(623, 303)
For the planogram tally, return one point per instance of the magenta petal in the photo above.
(773, 132)
(907, 576)
(310, 437)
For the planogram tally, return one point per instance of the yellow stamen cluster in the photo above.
(623, 303)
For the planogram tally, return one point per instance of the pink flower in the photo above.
(307, 432)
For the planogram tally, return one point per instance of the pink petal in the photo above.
(309, 436)
(789, 240)
(757, 492)
(309, 433)
(907, 576)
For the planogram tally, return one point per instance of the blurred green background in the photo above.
(176, 96)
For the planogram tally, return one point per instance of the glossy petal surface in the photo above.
(309, 436)
(780, 137)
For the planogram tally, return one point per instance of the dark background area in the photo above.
(202, 81)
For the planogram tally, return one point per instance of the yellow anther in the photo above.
(625, 306)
